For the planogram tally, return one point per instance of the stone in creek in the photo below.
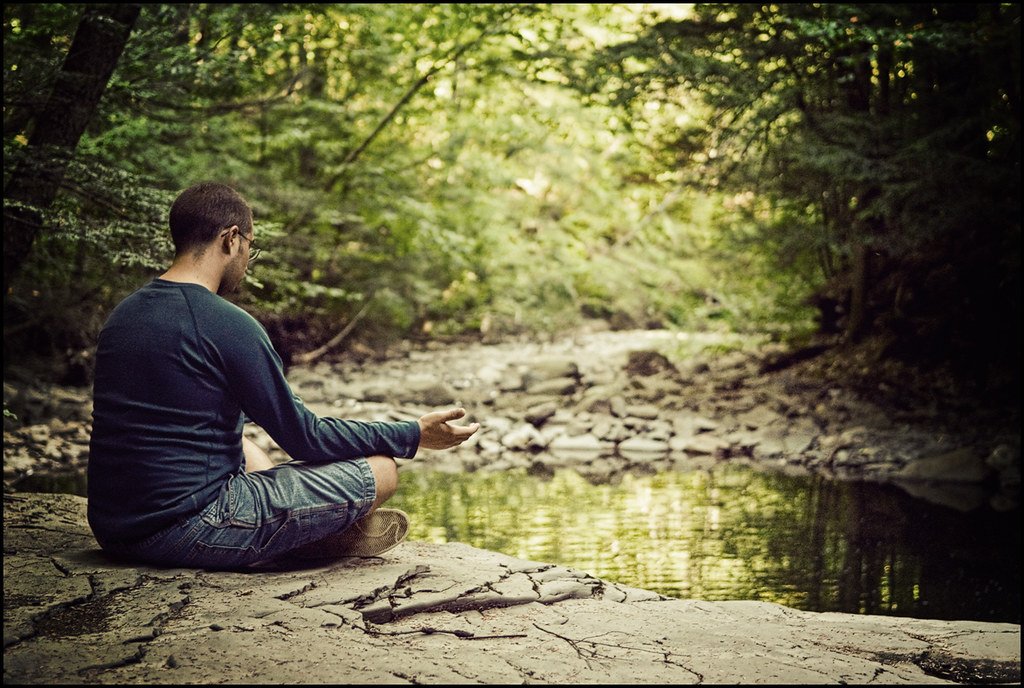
(700, 444)
(522, 437)
(539, 414)
(647, 362)
(861, 458)
(742, 440)
(559, 386)
(376, 392)
(758, 417)
(424, 390)
(489, 448)
(692, 424)
(551, 369)
(512, 382)
(645, 411)
(603, 470)
(770, 444)
(643, 449)
(610, 430)
(585, 445)
(961, 465)
(597, 399)
(800, 435)
(495, 425)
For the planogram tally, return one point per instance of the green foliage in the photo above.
(835, 131)
(513, 168)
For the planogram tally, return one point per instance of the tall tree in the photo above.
(883, 138)
(97, 46)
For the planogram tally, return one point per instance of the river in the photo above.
(700, 508)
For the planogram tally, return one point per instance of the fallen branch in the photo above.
(306, 358)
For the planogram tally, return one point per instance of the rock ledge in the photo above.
(427, 613)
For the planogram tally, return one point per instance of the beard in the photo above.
(233, 276)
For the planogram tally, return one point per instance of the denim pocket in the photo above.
(227, 547)
(235, 506)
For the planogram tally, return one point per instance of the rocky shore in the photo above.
(604, 403)
(426, 613)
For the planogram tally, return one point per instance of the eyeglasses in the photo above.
(254, 250)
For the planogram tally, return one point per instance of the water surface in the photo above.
(728, 533)
(733, 533)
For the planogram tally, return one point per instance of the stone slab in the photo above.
(430, 613)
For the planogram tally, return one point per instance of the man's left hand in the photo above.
(437, 433)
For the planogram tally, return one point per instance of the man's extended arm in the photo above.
(255, 376)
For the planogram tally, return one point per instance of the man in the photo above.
(172, 480)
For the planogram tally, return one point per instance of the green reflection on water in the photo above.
(734, 534)
(731, 533)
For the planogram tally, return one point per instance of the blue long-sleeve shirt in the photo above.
(176, 367)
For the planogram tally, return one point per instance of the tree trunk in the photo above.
(316, 83)
(858, 293)
(99, 41)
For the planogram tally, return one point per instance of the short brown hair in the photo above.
(202, 211)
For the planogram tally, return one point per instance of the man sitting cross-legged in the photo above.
(172, 481)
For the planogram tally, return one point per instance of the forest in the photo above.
(837, 173)
(724, 298)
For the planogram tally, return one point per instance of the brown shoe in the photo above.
(370, 536)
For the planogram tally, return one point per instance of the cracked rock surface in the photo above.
(429, 613)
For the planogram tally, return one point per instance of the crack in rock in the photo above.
(161, 619)
(489, 595)
(294, 593)
(140, 654)
(65, 571)
(412, 574)
(592, 653)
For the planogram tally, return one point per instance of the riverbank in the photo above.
(426, 613)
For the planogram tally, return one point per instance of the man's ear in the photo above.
(226, 238)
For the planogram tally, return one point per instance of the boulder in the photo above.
(559, 386)
(643, 449)
(424, 390)
(644, 411)
(701, 444)
(579, 446)
(643, 363)
(692, 424)
(522, 437)
(538, 414)
(758, 417)
(551, 368)
(961, 465)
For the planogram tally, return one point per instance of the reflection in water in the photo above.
(738, 534)
(732, 533)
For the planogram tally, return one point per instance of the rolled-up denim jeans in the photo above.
(262, 515)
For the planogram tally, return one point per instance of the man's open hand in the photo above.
(437, 433)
